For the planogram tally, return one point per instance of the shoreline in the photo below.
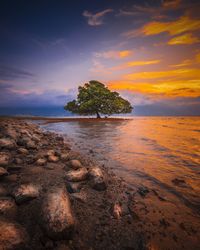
(43, 182)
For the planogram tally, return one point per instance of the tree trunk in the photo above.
(98, 115)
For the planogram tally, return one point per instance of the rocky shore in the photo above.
(54, 198)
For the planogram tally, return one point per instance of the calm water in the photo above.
(151, 151)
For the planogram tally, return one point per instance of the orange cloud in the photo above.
(181, 25)
(179, 73)
(187, 38)
(171, 4)
(183, 64)
(176, 88)
(113, 54)
(198, 58)
(134, 63)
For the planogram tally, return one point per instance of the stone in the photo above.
(143, 191)
(74, 187)
(41, 162)
(51, 152)
(77, 175)
(25, 192)
(7, 143)
(97, 179)
(57, 219)
(12, 236)
(7, 207)
(4, 159)
(3, 172)
(75, 164)
(31, 145)
(18, 161)
(53, 158)
(22, 151)
(11, 133)
(82, 197)
(64, 157)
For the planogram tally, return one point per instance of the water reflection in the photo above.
(145, 150)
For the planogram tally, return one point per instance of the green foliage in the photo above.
(95, 98)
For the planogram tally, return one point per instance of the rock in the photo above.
(41, 162)
(82, 197)
(97, 179)
(25, 132)
(18, 161)
(51, 152)
(31, 145)
(57, 219)
(7, 143)
(35, 138)
(22, 151)
(53, 158)
(12, 236)
(3, 172)
(143, 191)
(25, 192)
(10, 132)
(4, 159)
(64, 157)
(75, 164)
(74, 187)
(77, 175)
(117, 210)
(7, 207)
(22, 141)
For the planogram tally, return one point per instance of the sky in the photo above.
(148, 51)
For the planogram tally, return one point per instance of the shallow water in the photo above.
(145, 149)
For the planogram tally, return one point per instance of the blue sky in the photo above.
(147, 50)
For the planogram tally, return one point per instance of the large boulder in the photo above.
(7, 143)
(25, 192)
(77, 175)
(97, 179)
(57, 219)
(4, 159)
(12, 236)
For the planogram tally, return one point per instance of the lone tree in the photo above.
(95, 98)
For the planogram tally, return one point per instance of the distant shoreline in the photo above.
(64, 119)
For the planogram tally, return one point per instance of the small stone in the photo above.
(3, 172)
(41, 162)
(57, 219)
(97, 179)
(3, 191)
(64, 157)
(7, 143)
(75, 164)
(7, 207)
(53, 158)
(4, 159)
(25, 192)
(74, 187)
(31, 145)
(143, 191)
(77, 175)
(51, 152)
(22, 151)
(82, 197)
(18, 161)
(13, 236)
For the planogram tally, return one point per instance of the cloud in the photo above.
(171, 4)
(178, 73)
(114, 54)
(99, 68)
(161, 89)
(96, 19)
(179, 26)
(186, 38)
(183, 63)
(9, 73)
(134, 64)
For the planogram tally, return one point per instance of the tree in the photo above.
(95, 98)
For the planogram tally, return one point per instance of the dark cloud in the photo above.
(10, 73)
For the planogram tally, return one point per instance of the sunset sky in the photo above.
(149, 51)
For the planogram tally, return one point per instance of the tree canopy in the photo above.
(94, 98)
